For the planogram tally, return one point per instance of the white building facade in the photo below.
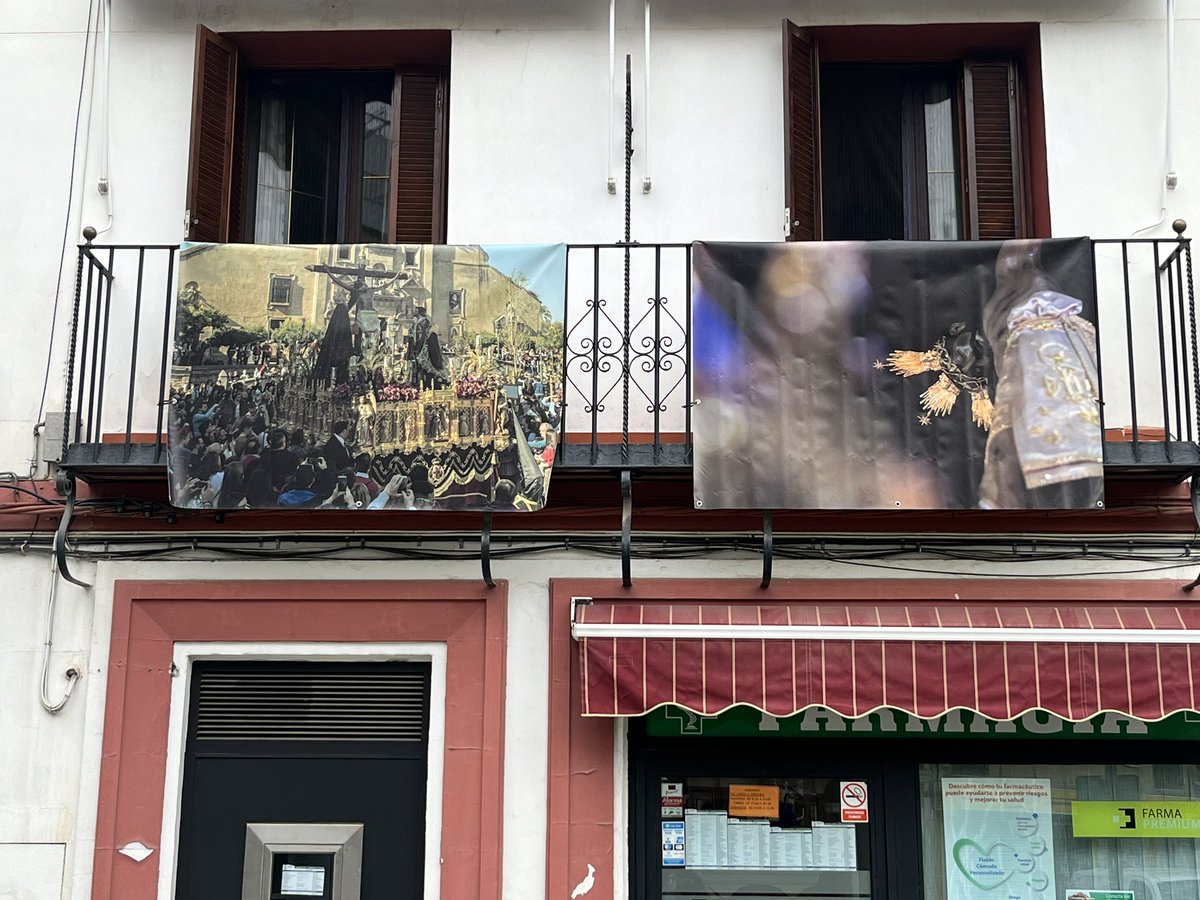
(523, 796)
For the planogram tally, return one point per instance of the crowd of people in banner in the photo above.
(232, 449)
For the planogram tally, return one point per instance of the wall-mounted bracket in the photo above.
(768, 533)
(577, 602)
(66, 487)
(485, 549)
(626, 526)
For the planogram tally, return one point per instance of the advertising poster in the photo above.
(366, 376)
(894, 374)
(673, 851)
(999, 839)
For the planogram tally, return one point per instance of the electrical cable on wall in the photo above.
(72, 674)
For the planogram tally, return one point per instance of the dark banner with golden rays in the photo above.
(896, 375)
(366, 376)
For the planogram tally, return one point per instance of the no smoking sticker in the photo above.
(854, 801)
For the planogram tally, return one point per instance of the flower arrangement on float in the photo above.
(392, 392)
(469, 387)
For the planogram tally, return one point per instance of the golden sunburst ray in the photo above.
(982, 409)
(914, 362)
(939, 397)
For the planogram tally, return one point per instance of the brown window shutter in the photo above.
(802, 132)
(237, 173)
(995, 186)
(418, 157)
(210, 169)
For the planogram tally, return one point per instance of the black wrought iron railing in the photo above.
(627, 356)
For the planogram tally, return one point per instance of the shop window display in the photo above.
(760, 837)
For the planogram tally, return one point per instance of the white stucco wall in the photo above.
(528, 162)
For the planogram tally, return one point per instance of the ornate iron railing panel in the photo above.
(627, 356)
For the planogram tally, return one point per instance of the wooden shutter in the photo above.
(210, 168)
(418, 157)
(995, 186)
(239, 228)
(802, 134)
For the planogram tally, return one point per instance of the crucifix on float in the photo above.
(339, 343)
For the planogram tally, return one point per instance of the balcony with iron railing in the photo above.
(627, 392)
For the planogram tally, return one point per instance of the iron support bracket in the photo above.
(626, 526)
(66, 486)
(1195, 485)
(485, 549)
(768, 533)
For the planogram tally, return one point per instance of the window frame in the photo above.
(970, 45)
(272, 302)
(217, 171)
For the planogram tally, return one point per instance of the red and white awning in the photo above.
(925, 659)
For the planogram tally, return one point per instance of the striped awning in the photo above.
(1001, 661)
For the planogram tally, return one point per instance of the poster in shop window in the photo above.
(999, 839)
(366, 376)
(885, 375)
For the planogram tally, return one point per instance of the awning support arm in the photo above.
(626, 526)
(768, 533)
(485, 549)
(577, 602)
(1192, 585)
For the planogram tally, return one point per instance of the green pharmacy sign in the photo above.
(1135, 819)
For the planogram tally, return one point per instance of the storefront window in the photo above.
(752, 837)
(1043, 832)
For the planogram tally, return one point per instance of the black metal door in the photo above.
(305, 743)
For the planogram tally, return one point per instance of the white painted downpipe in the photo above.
(647, 183)
(612, 91)
(1170, 178)
(103, 184)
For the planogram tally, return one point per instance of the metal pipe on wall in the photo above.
(103, 184)
(647, 183)
(612, 89)
(1171, 178)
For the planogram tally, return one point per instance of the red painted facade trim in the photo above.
(591, 502)
(150, 616)
(580, 775)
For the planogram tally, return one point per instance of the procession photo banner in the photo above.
(366, 376)
(896, 375)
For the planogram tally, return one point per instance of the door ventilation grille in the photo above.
(312, 706)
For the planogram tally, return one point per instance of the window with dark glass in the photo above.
(281, 290)
(319, 159)
(889, 139)
(908, 133)
(334, 137)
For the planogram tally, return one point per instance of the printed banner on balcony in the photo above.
(366, 376)
(885, 375)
